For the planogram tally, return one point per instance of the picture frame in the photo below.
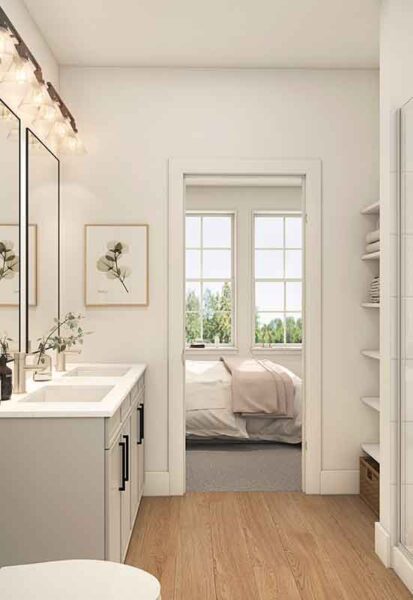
(116, 265)
(10, 288)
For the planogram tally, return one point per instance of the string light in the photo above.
(38, 103)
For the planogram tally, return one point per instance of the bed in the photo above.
(209, 413)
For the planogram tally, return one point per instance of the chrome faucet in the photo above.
(19, 372)
(61, 359)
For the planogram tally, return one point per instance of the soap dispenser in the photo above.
(6, 384)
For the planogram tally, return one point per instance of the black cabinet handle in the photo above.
(142, 421)
(126, 438)
(138, 412)
(122, 485)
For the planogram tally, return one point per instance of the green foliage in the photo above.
(273, 332)
(294, 330)
(56, 340)
(216, 316)
(216, 321)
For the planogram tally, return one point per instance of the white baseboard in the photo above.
(339, 482)
(156, 483)
(403, 567)
(382, 544)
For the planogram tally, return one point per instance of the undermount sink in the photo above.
(65, 393)
(98, 371)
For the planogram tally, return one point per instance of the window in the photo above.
(278, 278)
(209, 278)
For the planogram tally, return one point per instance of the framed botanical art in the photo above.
(116, 265)
(10, 265)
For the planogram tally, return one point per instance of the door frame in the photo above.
(310, 170)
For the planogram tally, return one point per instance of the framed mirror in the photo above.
(10, 243)
(42, 239)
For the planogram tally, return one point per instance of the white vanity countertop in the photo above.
(17, 407)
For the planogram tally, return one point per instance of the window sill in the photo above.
(277, 350)
(212, 350)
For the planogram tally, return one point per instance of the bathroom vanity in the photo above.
(72, 465)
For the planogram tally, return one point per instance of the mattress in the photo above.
(209, 413)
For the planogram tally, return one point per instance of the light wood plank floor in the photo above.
(261, 546)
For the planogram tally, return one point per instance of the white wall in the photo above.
(243, 201)
(27, 28)
(134, 120)
(396, 88)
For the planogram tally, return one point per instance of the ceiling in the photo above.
(212, 33)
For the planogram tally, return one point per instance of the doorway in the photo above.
(181, 174)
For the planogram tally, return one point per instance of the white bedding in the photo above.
(209, 408)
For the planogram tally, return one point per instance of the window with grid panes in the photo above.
(209, 278)
(278, 257)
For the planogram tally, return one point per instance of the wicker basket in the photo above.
(370, 483)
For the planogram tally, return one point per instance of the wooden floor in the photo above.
(261, 546)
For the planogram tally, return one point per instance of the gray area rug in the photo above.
(234, 467)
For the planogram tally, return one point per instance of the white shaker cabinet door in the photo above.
(114, 469)
(125, 494)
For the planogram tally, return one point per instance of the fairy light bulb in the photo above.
(34, 101)
(20, 72)
(72, 144)
(48, 112)
(61, 129)
(7, 49)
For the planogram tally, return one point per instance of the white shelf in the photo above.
(371, 354)
(372, 401)
(371, 256)
(370, 304)
(372, 450)
(371, 209)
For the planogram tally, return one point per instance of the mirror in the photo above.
(406, 316)
(42, 239)
(10, 299)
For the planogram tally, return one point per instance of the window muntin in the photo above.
(209, 259)
(278, 257)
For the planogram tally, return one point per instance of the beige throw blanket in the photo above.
(260, 386)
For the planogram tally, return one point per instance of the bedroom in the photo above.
(243, 280)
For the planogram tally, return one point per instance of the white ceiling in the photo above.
(211, 33)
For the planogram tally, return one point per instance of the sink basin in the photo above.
(65, 393)
(98, 371)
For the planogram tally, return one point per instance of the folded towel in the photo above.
(373, 236)
(373, 247)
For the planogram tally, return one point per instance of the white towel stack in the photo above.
(373, 241)
(374, 292)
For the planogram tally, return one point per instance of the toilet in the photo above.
(77, 580)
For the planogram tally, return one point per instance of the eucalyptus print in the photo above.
(109, 263)
(9, 260)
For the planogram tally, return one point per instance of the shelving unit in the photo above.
(372, 261)
(372, 450)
